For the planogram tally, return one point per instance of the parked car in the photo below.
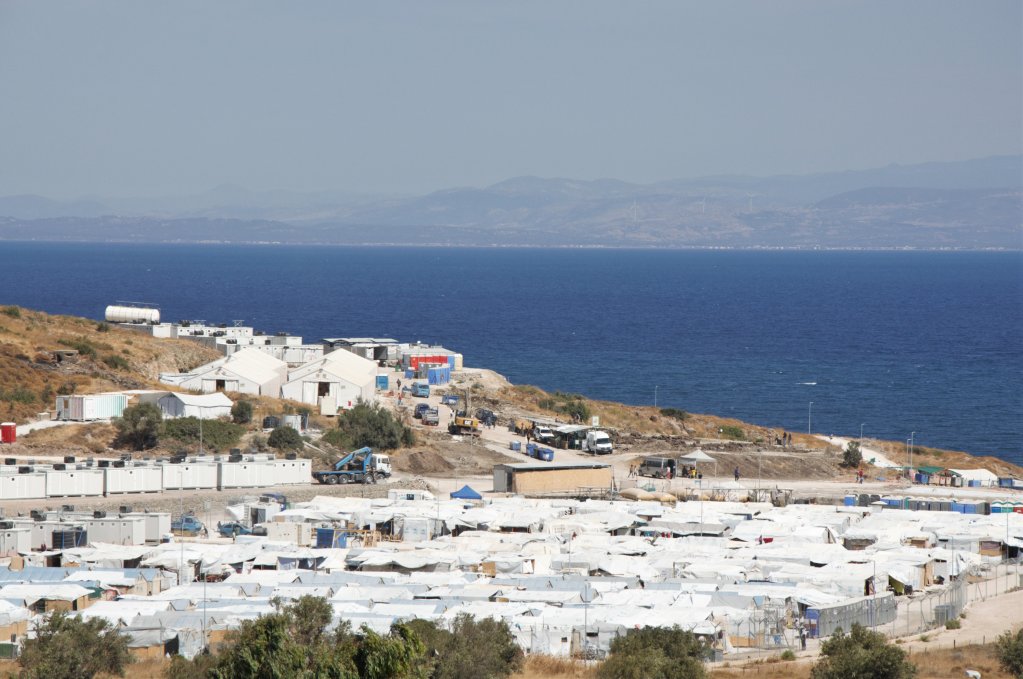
(187, 525)
(233, 529)
(543, 434)
(420, 409)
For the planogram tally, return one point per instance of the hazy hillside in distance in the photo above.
(968, 204)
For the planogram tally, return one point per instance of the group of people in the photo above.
(784, 440)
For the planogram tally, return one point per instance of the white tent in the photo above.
(206, 406)
(699, 456)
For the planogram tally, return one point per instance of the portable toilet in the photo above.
(382, 382)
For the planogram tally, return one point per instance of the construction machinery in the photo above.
(462, 424)
(358, 466)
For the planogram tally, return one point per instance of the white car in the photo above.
(543, 434)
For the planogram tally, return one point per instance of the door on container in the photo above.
(221, 385)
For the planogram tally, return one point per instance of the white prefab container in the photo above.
(22, 486)
(42, 531)
(416, 529)
(291, 472)
(157, 524)
(189, 475)
(14, 540)
(74, 482)
(132, 480)
(295, 533)
(117, 530)
(239, 474)
(87, 407)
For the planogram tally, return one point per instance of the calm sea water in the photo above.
(900, 342)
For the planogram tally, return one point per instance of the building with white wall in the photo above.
(338, 380)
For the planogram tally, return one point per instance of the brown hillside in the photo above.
(104, 357)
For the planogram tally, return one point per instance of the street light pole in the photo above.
(655, 395)
(912, 435)
(809, 419)
(861, 431)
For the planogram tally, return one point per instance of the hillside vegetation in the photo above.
(33, 370)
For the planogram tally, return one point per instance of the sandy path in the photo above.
(875, 457)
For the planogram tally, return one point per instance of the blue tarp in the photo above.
(466, 493)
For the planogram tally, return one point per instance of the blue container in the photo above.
(531, 449)
(973, 484)
(545, 454)
(516, 446)
(438, 375)
(969, 508)
(382, 382)
(957, 507)
(451, 361)
(410, 373)
(849, 501)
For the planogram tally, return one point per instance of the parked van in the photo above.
(421, 390)
(598, 442)
(657, 467)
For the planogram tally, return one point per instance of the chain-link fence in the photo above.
(866, 611)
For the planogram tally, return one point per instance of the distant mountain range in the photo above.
(967, 204)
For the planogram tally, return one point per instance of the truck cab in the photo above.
(599, 442)
(382, 464)
(543, 434)
(421, 390)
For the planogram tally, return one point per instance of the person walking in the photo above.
(737, 474)
(802, 636)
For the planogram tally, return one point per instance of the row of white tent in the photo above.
(337, 380)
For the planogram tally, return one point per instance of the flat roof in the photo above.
(547, 466)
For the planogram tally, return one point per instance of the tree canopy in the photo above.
(862, 654)
(139, 426)
(69, 647)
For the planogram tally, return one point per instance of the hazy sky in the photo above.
(151, 98)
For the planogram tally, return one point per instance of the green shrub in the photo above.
(730, 431)
(83, 347)
(788, 654)
(368, 425)
(675, 414)
(241, 412)
(285, 438)
(862, 653)
(851, 456)
(102, 327)
(472, 648)
(12, 311)
(572, 405)
(117, 362)
(216, 434)
(1009, 651)
(953, 624)
(18, 395)
(139, 426)
(655, 653)
(68, 646)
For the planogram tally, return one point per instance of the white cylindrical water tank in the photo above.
(132, 314)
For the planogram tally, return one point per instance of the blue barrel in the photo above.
(516, 446)
(546, 454)
(849, 501)
(382, 382)
(531, 449)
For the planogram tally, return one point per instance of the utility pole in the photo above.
(655, 395)
(912, 435)
(809, 419)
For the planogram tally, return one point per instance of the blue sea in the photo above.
(900, 342)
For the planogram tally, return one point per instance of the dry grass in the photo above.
(548, 667)
(937, 663)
